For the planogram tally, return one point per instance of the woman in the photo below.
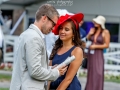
(100, 38)
(68, 44)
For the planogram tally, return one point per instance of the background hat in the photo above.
(76, 18)
(100, 20)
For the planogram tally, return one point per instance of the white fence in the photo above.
(112, 59)
(112, 55)
(9, 47)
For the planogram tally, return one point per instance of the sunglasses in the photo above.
(51, 21)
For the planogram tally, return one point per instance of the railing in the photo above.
(112, 59)
(112, 55)
(9, 48)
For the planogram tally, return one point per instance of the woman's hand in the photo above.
(93, 46)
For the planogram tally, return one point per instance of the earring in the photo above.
(73, 38)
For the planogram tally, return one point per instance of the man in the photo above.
(31, 61)
(81, 30)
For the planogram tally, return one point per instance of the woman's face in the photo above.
(65, 31)
(96, 25)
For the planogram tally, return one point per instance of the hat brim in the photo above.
(96, 21)
(76, 17)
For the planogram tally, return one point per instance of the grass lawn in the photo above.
(111, 78)
(5, 77)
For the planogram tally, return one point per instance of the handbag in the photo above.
(84, 63)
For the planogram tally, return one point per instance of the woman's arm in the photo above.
(73, 68)
(106, 37)
(50, 63)
(91, 32)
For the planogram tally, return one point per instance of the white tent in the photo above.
(63, 12)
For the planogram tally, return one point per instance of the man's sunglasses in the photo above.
(51, 21)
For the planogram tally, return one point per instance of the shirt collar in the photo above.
(43, 36)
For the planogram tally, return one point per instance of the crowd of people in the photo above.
(35, 67)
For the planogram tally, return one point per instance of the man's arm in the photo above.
(34, 53)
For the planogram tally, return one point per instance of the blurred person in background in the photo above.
(69, 43)
(9, 22)
(7, 25)
(1, 43)
(30, 69)
(100, 38)
(81, 30)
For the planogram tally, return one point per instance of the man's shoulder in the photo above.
(29, 34)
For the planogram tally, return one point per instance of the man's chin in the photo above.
(49, 32)
(46, 33)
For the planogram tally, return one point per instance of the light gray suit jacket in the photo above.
(30, 68)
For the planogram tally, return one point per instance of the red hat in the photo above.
(76, 18)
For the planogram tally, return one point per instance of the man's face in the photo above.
(49, 24)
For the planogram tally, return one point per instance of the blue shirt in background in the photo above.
(82, 32)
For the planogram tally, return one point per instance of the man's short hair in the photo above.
(46, 9)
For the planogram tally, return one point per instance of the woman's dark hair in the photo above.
(77, 39)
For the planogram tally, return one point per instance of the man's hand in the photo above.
(62, 70)
(54, 66)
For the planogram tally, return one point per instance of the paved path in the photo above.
(4, 84)
(107, 85)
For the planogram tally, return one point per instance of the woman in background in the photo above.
(100, 38)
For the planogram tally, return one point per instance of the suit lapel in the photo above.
(42, 39)
(37, 30)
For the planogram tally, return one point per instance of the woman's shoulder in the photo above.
(105, 31)
(78, 50)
